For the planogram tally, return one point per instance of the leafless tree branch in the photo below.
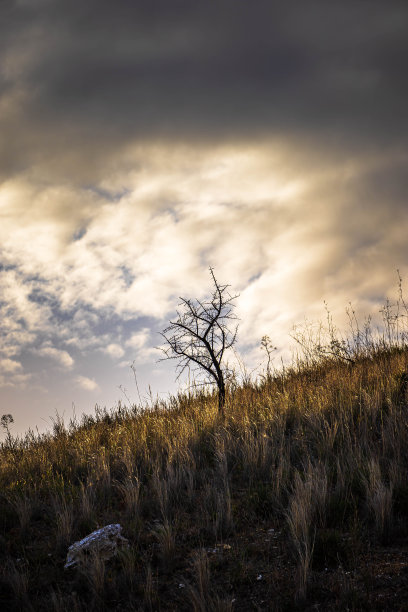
(202, 333)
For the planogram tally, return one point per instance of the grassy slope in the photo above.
(299, 497)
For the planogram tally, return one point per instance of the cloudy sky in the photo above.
(141, 142)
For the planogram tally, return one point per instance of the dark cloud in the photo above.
(105, 72)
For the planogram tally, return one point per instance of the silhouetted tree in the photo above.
(5, 421)
(201, 334)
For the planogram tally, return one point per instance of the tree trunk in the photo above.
(221, 397)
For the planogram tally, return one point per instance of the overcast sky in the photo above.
(141, 142)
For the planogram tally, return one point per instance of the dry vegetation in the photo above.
(296, 500)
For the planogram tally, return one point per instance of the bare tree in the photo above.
(201, 334)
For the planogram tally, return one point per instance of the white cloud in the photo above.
(18, 312)
(138, 344)
(124, 364)
(248, 211)
(139, 339)
(9, 365)
(114, 350)
(88, 384)
(15, 380)
(138, 251)
(63, 358)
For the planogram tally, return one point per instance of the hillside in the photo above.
(297, 501)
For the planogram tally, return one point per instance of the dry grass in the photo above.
(129, 490)
(18, 580)
(24, 505)
(199, 595)
(64, 518)
(94, 572)
(166, 538)
(379, 498)
(150, 592)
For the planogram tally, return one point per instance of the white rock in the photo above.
(103, 542)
